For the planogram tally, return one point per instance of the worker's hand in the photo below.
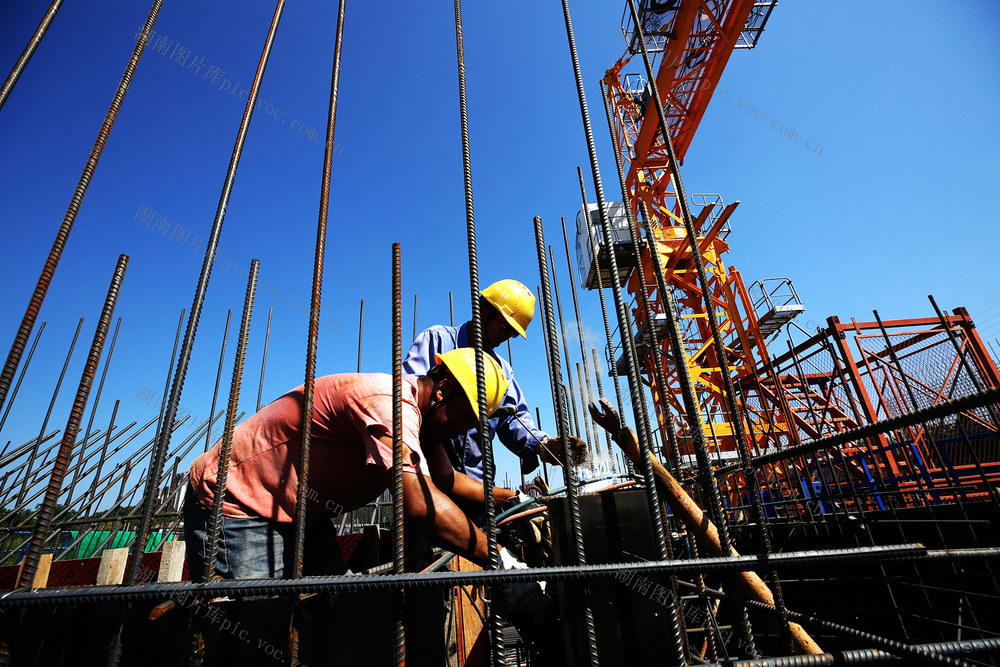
(515, 500)
(605, 416)
(551, 451)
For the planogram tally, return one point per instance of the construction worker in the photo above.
(350, 465)
(507, 308)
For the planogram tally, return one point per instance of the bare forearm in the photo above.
(441, 520)
(467, 489)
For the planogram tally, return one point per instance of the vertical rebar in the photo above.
(585, 383)
(361, 329)
(211, 247)
(24, 369)
(604, 308)
(398, 551)
(45, 279)
(625, 328)
(29, 51)
(30, 563)
(451, 309)
(227, 435)
(414, 317)
(574, 525)
(218, 378)
(314, 322)
(510, 357)
(573, 396)
(93, 409)
(485, 446)
(102, 459)
(263, 361)
(600, 394)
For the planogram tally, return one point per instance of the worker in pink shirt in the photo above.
(350, 466)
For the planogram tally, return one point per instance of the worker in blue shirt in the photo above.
(507, 307)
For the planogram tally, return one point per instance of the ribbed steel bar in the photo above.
(624, 323)
(361, 328)
(451, 309)
(572, 397)
(968, 647)
(604, 309)
(24, 369)
(45, 279)
(390, 582)
(263, 361)
(317, 287)
(211, 248)
(414, 337)
(485, 445)
(734, 415)
(48, 414)
(218, 378)
(93, 411)
(612, 462)
(215, 520)
(735, 418)
(574, 525)
(585, 383)
(30, 563)
(915, 653)
(29, 51)
(398, 547)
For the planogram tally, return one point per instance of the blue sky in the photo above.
(896, 205)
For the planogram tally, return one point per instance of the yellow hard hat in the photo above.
(461, 363)
(514, 301)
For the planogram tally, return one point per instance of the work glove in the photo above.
(515, 500)
(526, 597)
(605, 416)
(551, 451)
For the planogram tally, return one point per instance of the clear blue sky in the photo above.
(898, 205)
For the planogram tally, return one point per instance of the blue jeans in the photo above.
(256, 548)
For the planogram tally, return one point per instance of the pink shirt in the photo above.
(348, 466)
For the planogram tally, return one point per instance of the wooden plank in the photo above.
(172, 561)
(112, 570)
(42, 573)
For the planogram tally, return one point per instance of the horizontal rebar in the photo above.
(870, 656)
(357, 583)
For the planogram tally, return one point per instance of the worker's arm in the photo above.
(436, 516)
(518, 432)
(460, 486)
(440, 520)
(420, 357)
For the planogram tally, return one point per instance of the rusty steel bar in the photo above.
(451, 309)
(263, 361)
(48, 413)
(29, 51)
(218, 378)
(485, 445)
(215, 520)
(24, 369)
(575, 527)
(312, 343)
(600, 395)
(211, 247)
(398, 547)
(314, 311)
(93, 410)
(361, 328)
(414, 337)
(30, 563)
(45, 279)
